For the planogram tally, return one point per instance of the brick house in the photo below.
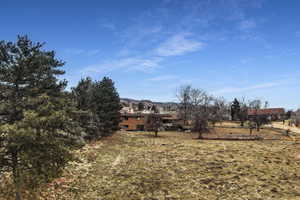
(136, 121)
(270, 113)
(132, 122)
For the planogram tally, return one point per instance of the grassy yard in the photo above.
(135, 165)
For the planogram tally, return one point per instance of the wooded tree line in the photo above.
(239, 112)
(201, 111)
(197, 108)
(40, 121)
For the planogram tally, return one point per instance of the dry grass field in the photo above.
(285, 126)
(135, 165)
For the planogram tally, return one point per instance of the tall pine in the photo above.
(82, 95)
(235, 109)
(36, 117)
(106, 106)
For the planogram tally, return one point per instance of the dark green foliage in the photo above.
(141, 106)
(82, 95)
(106, 106)
(154, 109)
(37, 120)
(288, 114)
(100, 106)
(40, 141)
(235, 109)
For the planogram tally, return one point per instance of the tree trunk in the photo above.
(156, 133)
(16, 176)
(242, 123)
(200, 135)
(250, 131)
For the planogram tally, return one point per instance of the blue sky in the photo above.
(231, 48)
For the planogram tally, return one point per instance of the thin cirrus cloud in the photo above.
(152, 38)
(163, 78)
(83, 52)
(246, 25)
(178, 44)
(108, 25)
(244, 89)
(130, 63)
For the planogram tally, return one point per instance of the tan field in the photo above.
(135, 165)
(286, 127)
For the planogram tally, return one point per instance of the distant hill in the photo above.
(129, 100)
(162, 106)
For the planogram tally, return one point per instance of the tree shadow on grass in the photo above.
(152, 135)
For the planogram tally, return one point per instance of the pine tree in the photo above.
(37, 124)
(235, 109)
(141, 106)
(106, 106)
(82, 95)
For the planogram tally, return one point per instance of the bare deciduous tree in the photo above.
(255, 104)
(219, 110)
(201, 108)
(295, 118)
(200, 125)
(201, 104)
(153, 123)
(184, 97)
(259, 120)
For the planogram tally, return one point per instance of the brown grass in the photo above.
(132, 165)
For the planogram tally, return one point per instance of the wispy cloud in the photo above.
(246, 60)
(179, 44)
(246, 25)
(127, 64)
(73, 51)
(153, 38)
(244, 89)
(163, 78)
(108, 25)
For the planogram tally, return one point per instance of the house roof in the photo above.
(269, 111)
(145, 114)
